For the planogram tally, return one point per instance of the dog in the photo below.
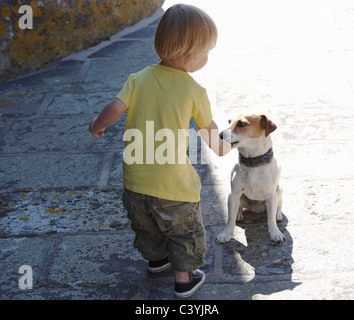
(255, 178)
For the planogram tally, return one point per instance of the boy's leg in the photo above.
(182, 276)
(182, 224)
(149, 240)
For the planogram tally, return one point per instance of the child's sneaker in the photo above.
(159, 266)
(186, 289)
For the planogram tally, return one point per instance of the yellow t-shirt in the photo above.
(161, 101)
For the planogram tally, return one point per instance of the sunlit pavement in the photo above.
(61, 211)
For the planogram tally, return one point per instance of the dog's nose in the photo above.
(221, 135)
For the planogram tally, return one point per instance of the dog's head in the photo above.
(246, 127)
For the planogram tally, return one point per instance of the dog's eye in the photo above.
(241, 124)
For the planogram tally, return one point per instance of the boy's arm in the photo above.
(210, 135)
(110, 114)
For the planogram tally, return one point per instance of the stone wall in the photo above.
(61, 28)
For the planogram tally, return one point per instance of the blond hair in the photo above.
(183, 33)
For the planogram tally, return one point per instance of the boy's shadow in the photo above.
(265, 266)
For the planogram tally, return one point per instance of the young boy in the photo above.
(162, 196)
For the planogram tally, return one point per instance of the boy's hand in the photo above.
(96, 134)
(211, 136)
(110, 113)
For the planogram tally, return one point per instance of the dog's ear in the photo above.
(268, 125)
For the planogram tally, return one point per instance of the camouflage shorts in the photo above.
(167, 228)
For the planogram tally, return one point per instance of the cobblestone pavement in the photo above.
(60, 190)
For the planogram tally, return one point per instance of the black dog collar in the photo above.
(256, 161)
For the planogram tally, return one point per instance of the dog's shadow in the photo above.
(265, 266)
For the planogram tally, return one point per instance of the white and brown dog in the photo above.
(255, 179)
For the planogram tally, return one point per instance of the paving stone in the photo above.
(57, 134)
(79, 102)
(49, 171)
(30, 213)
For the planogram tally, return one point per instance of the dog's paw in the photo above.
(276, 236)
(223, 237)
